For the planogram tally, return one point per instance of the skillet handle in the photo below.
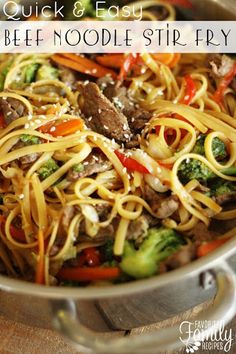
(221, 312)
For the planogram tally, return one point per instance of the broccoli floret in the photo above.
(107, 251)
(220, 187)
(48, 169)
(159, 244)
(30, 73)
(29, 139)
(194, 169)
(47, 72)
(4, 73)
(218, 147)
(199, 146)
(78, 168)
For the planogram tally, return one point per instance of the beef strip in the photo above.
(94, 163)
(200, 233)
(27, 159)
(164, 206)
(220, 64)
(137, 117)
(225, 198)
(67, 76)
(101, 115)
(12, 109)
(183, 256)
(67, 215)
(138, 228)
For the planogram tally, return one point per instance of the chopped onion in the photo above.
(90, 213)
(155, 183)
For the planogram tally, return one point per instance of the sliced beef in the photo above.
(220, 64)
(138, 228)
(225, 198)
(67, 76)
(164, 206)
(101, 115)
(200, 233)
(29, 159)
(183, 256)
(94, 163)
(67, 215)
(12, 109)
(118, 95)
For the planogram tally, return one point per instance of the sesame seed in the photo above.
(106, 127)
(86, 163)
(9, 113)
(21, 196)
(27, 126)
(99, 111)
(38, 121)
(52, 129)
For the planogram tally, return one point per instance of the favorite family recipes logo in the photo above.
(219, 338)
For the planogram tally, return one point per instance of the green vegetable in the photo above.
(230, 171)
(107, 251)
(4, 73)
(78, 168)
(47, 72)
(48, 169)
(194, 169)
(218, 147)
(29, 139)
(220, 187)
(30, 73)
(159, 244)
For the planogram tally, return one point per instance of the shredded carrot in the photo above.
(164, 58)
(175, 60)
(67, 128)
(169, 59)
(52, 110)
(83, 65)
(114, 61)
(208, 247)
(62, 129)
(40, 277)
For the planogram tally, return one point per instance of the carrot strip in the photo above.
(84, 65)
(208, 247)
(114, 61)
(164, 58)
(62, 129)
(89, 274)
(39, 278)
(175, 60)
(67, 128)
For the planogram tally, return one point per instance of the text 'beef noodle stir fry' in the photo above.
(114, 167)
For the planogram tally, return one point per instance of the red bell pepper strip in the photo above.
(2, 121)
(131, 164)
(187, 4)
(17, 234)
(208, 247)
(190, 90)
(92, 257)
(130, 60)
(88, 274)
(224, 83)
